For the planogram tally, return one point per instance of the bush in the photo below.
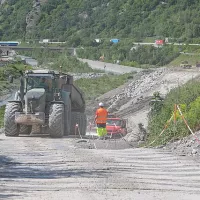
(71, 64)
(11, 69)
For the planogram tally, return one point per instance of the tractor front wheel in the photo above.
(11, 128)
(56, 120)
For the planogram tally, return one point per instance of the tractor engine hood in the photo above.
(35, 100)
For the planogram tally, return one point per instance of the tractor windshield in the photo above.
(114, 122)
(39, 81)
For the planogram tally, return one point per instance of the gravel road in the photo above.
(43, 168)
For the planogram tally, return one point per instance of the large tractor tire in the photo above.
(11, 128)
(80, 119)
(56, 120)
(25, 130)
(67, 117)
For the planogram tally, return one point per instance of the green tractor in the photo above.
(48, 102)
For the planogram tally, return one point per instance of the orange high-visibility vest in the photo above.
(101, 114)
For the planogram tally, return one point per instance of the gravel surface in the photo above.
(35, 167)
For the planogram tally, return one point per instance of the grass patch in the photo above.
(71, 64)
(93, 88)
(192, 59)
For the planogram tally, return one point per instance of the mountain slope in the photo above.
(81, 19)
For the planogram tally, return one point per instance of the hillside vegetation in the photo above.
(10, 69)
(141, 56)
(82, 20)
(95, 87)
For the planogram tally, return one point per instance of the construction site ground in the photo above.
(39, 167)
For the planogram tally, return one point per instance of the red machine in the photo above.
(116, 125)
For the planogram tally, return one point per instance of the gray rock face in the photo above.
(32, 17)
(2, 1)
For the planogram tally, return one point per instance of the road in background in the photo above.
(110, 67)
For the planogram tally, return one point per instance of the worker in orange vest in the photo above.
(100, 119)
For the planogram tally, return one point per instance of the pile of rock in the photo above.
(137, 89)
(188, 146)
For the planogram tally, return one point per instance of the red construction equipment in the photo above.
(116, 125)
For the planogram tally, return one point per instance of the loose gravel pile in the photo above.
(188, 146)
(137, 89)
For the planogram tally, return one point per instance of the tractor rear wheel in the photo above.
(11, 128)
(56, 120)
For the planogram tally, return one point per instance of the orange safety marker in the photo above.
(183, 118)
